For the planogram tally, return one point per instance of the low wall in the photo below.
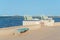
(49, 23)
(41, 22)
(31, 22)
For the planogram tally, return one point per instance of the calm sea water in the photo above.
(9, 21)
(56, 19)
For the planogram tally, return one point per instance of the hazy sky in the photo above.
(29, 7)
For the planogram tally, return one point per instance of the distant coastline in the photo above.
(9, 21)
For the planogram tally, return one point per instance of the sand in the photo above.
(36, 32)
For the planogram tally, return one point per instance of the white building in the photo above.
(44, 21)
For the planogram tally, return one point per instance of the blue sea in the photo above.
(56, 19)
(9, 21)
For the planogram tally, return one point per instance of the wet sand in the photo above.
(41, 33)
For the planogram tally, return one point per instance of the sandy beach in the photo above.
(36, 32)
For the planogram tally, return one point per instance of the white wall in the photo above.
(47, 22)
(31, 22)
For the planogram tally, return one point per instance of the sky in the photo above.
(30, 7)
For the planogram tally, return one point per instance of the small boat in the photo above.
(22, 30)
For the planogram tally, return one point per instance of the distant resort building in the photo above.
(29, 20)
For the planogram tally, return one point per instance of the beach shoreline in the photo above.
(8, 32)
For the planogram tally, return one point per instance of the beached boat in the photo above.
(22, 30)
